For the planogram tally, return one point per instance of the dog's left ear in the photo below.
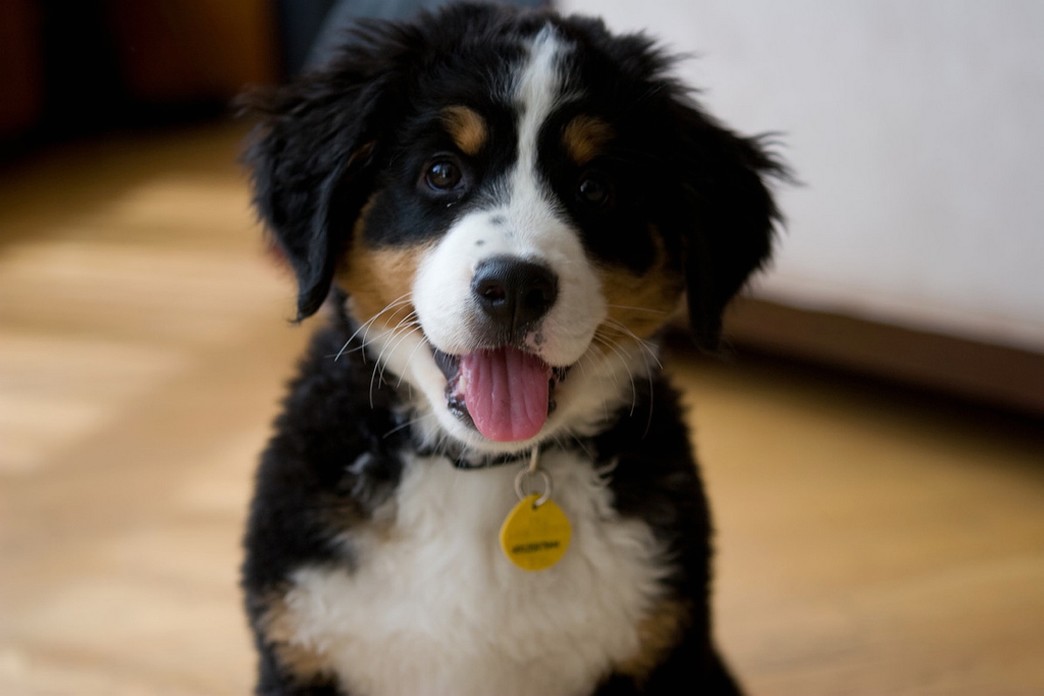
(310, 180)
(313, 155)
(730, 210)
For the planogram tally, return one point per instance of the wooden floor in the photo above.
(870, 541)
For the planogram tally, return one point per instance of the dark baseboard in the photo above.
(990, 374)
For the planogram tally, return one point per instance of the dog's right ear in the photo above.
(314, 154)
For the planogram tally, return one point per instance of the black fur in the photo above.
(331, 141)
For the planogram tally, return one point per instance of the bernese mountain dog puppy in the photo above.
(480, 484)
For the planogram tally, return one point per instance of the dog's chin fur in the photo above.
(492, 201)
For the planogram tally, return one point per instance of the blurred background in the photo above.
(872, 442)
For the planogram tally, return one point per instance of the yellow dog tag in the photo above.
(535, 537)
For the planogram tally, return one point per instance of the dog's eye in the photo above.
(594, 190)
(443, 175)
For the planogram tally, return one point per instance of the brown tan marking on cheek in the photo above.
(584, 138)
(639, 305)
(278, 625)
(379, 280)
(658, 633)
(467, 128)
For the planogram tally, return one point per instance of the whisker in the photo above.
(648, 310)
(652, 358)
(647, 346)
(399, 334)
(407, 424)
(405, 300)
(622, 357)
(364, 328)
(409, 359)
(377, 376)
(591, 358)
(407, 322)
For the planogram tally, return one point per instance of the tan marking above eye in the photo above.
(585, 137)
(467, 128)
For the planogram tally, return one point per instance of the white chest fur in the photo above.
(433, 607)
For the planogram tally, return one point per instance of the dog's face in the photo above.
(513, 204)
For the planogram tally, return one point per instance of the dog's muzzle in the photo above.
(503, 387)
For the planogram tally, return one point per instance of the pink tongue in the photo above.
(506, 392)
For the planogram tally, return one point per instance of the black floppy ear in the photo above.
(313, 155)
(732, 212)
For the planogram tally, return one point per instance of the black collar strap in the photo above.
(469, 462)
(486, 462)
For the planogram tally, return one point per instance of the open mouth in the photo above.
(506, 393)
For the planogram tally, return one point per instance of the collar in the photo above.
(465, 460)
(486, 462)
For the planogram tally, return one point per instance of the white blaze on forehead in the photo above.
(537, 93)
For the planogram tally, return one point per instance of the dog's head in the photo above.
(513, 204)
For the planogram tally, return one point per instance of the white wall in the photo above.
(918, 129)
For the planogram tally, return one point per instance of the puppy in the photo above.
(480, 485)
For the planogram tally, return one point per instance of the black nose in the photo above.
(514, 293)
